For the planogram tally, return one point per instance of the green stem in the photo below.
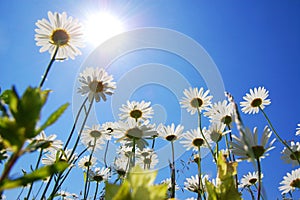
(200, 127)
(96, 190)
(133, 153)
(86, 190)
(49, 67)
(251, 193)
(199, 175)
(277, 135)
(173, 172)
(105, 153)
(259, 179)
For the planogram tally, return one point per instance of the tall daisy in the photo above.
(87, 162)
(54, 156)
(193, 139)
(93, 136)
(246, 146)
(41, 141)
(146, 158)
(221, 112)
(290, 182)
(249, 179)
(195, 100)
(99, 174)
(96, 83)
(121, 166)
(217, 130)
(59, 31)
(257, 99)
(170, 132)
(288, 156)
(136, 111)
(192, 183)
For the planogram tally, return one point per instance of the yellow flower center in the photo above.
(171, 138)
(60, 37)
(226, 120)
(295, 183)
(196, 102)
(256, 102)
(136, 114)
(258, 151)
(95, 134)
(134, 133)
(198, 142)
(295, 155)
(96, 86)
(252, 181)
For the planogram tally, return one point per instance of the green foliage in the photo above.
(39, 174)
(138, 185)
(226, 188)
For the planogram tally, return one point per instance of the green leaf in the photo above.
(53, 117)
(11, 133)
(39, 174)
(117, 192)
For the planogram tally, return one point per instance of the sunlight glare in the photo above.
(102, 26)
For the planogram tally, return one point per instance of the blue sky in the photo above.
(252, 43)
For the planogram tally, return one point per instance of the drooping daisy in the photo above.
(298, 129)
(170, 133)
(192, 183)
(53, 156)
(195, 100)
(216, 131)
(289, 157)
(136, 111)
(221, 112)
(41, 141)
(93, 136)
(193, 139)
(249, 179)
(290, 182)
(85, 162)
(96, 83)
(255, 100)
(59, 31)
(99, 174)
(131, 132)
(246, 146)
(146, 158)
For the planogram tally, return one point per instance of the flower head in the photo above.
(60, 31)
(170, 133)
(192, 184)
(94, 135)
(257, 99)
(217, 130)
(298, 129)
(290, 182)
(46, 142)
(195, 100)
(85, 162)
(96, 83)
(54, 156)
(136, 111)
(221, 112)
(193, 139)
(289, 157)
(246, 146)
(99, 174)
(146, 158)
(249, 179)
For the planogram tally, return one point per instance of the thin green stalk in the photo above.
(133, 153)
(200, 127)
(251, 193)
(173, 172)
(49, 67)
(259, 179)
(105, 153)
(199, 175)
(36, 167)
(96, 190)
(277, 135)
(86, 189)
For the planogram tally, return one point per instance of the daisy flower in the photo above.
(136, 111)
(195, 100)
(169, 183)
(255, 100)
(121, 165)
(222, 112)
(65, 195)
(246, 146)
(249, 179)
(108, 129)
(46, 143)
(290, 182)
(192, 183)
(96, 83)
(99, 174)
(126, 132)
(289, 157)
(94, 135)
(193, 139)
(53, 156)
(60, 31)
(125, 151)
(298, 129)
(170, 133)
(146, 158)
(216, 131)
(84, 162)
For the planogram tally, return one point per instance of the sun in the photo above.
(102, 26)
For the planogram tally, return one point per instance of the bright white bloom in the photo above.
(298, 129)
(216, 131)
(96, 83)
(99, 174)
(121, 165)
(136, 111)
(246, 146)
(288, 157)
(53, 156)
(290, 182)
(108, 129)
(46, 143)
(191, 198)
(85, 162)
(255, 100)
(221, 112)
(249, 179)
(129, 131)
(94, 135)
(125, 151)
(60, 31)
(169, 183)
(193, 139)
(195, 100)
(192, 184)
(170, 133)
(66, 195)
(146, 158)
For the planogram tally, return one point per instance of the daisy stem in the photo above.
(259, 179)
(96, 190)
(36, 166)
(173, 172)
(49, 67)
(199, 122)
(133, 153)
(251, 193)
(227, 147)
(231, 156)
(199, 175)
(277, 135)
(105, 153)
(86, 189)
